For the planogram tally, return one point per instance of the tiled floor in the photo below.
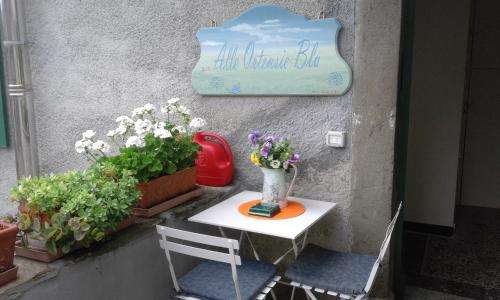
(415, 293)
(466, 264)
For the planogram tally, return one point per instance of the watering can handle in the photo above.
(293, 181)
(223, 142)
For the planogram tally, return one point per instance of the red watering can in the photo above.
(215, 161)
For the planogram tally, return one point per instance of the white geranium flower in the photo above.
(139, 111)
(121, 130)
(149, 108)
(79, 147)
(88, 134)
(125, 121)
(275, 164)
(173, 101)
(181, 129)
(197, 123)
(143, 126)
(83, 145)
(111, 133)
(134, 141)
(168, 109)
(183, 110)
(162, 133)
(100, 146)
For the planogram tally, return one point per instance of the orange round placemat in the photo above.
(293, 210)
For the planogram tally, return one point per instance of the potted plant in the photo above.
(8, 233)
(275, 157)
(66, 211)
(157, 147)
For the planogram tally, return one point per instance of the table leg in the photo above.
(295, 248)
(240, 241)
(253, 248)
(304, 240)
(222, 233)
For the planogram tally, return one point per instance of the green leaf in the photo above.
(79, 235)
(66, 248)
(51, 247)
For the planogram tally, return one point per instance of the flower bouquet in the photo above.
(275, 157)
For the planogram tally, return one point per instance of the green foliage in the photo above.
(85, 205)
(158, 157)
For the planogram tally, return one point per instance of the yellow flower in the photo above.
(255, 159)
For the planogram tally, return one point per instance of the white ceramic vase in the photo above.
(275, 186)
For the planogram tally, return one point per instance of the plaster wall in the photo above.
(437, 92)
(95, 60)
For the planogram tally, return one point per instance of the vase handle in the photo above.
(292, 182)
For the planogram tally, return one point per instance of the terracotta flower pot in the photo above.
(166, 187)
(8, 234)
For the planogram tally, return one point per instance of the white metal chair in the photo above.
(223, 275)
(344, 275)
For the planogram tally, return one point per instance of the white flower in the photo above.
(149, 108)
(134, 141)
(162, 133)
(167, 109)
(111, 133)
(88, 134)
(172, 101)
(83, 145)
(121, 130)
(181, 129)
(125, 121)
(100, 146)
(143, 126)
(197, 123)
(275, 164)
(139, 111)
(183, 110)
(79, 147)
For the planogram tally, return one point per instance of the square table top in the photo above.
(225, 214)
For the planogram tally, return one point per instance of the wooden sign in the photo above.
(269, 51)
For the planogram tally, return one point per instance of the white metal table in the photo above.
(226, 215)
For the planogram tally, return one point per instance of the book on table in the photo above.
(264, 209)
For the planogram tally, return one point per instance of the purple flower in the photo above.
(294, 159)
(266, 148)
(269, 139)
(252, 137)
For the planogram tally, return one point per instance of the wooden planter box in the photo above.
(45, 256)
(8, 271)
(166, 188)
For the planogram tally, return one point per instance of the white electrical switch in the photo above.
(335, 139)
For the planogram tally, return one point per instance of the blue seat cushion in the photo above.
(213, 280)
(334, 271)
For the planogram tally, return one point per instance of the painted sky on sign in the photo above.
(269, 27)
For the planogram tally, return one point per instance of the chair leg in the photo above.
(293, 293)
(309, 294)
(273, 295)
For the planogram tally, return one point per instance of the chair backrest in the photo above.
(182, 235)
(383, 249)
